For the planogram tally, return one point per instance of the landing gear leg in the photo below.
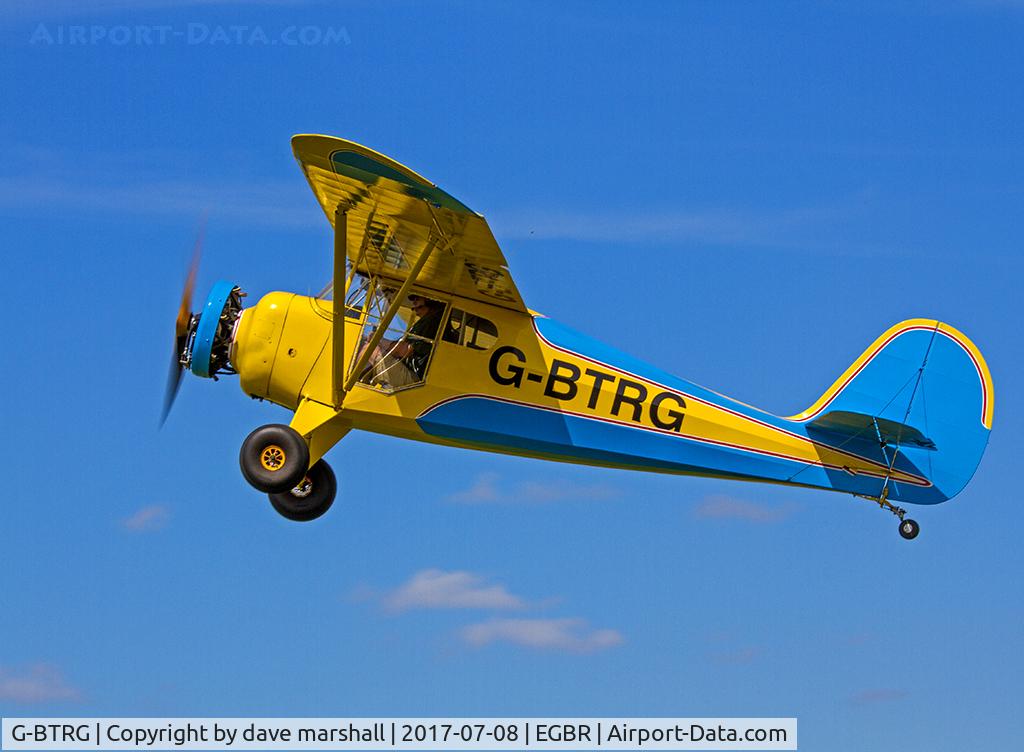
(908, 527)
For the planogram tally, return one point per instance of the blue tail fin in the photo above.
(923, 388)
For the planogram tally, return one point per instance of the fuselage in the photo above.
(540, 389)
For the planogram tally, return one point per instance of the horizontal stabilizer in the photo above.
(869, 427)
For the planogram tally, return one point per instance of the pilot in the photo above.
(404, 362)
(415, 348)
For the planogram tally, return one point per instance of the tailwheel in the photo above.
(274, 458)
(310, 498)
(909, 529)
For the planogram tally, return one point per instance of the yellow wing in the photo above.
(393, 214)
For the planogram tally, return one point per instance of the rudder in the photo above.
(925, 387)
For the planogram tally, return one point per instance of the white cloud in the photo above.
(435, 588)
(570, 635)
(152, 517)
(488, 490)
(35, 684)
(729, 508)
(438, 589)
(483, 491)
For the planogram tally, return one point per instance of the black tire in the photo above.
(310, 498)
(274, 458)
(909, 529)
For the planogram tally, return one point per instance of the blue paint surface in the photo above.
(202, 346)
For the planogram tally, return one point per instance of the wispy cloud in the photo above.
(710, 226)
(569, 635)
(284, 203)
(161, 183)
(878, 695)
(440, 589)
(259, 202)
(487, 489)
(436, 588)
(720, 507)
(153, 183)
(483, 491)
(35, 684)
(147, 519)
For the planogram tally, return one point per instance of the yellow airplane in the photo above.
(423, 335)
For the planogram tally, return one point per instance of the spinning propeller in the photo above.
(202, 340)
(181, 329)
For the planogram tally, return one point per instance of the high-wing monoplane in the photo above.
(423, 335)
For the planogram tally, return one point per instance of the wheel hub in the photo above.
(304, 489)
(273, 458)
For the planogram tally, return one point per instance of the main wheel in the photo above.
(909, 529)
(274, 458)
(310, 498)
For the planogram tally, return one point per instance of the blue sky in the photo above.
(745, 194)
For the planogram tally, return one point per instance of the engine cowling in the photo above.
(207, 349)
(276, 345)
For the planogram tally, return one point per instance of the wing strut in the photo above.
(385, 321)
(340, 296)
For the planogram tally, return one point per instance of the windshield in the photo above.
(401, 354)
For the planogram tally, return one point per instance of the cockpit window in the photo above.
(358, 293)
(470, 330)
(402, 355)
